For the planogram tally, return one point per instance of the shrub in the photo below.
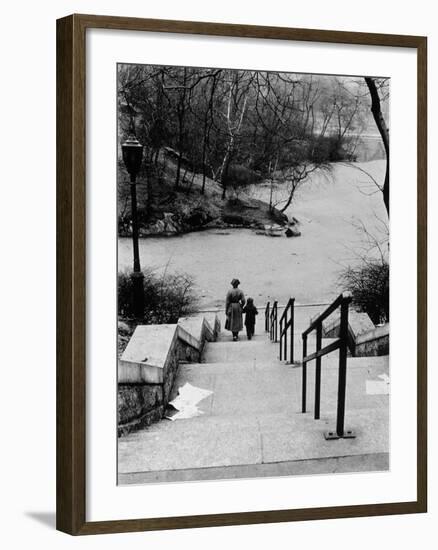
(332, 149)
(239, 176)
(369, 284)
(167, 297)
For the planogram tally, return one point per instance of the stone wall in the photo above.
(149, 365)
(365, 339)
(358, 323)
(373, 343)
(139, 405)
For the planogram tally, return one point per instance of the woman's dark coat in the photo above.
(233, 307)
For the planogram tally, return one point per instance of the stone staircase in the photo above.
(252, 424)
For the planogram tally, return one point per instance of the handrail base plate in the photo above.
(348, 434)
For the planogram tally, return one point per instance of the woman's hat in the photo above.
(235, 282)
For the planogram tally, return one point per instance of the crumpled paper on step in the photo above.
(187, 400)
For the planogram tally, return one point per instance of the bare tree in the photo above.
(237, 98)
(376, 109)
(208, 123)
(297, 139)
(240, 127)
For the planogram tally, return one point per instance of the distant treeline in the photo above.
(228, 124)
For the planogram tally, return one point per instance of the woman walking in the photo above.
(233, 308)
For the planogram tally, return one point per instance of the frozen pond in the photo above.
(306, 267)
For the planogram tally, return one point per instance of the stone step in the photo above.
(303, 315)
(331, 361)
(248, 440)
(311, 347)
(226, 336)
(243, 387)
(365, 462)
(253, 417)
(259, 348)
(243, 350)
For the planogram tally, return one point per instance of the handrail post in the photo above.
(342, 376)
(271, 326)
(341, 344)
(285, 333)
(318, 372)
(281, 337)
(292, 332)
(304, 375)
(267, 310)
(270, 322)
(273, 322)
(276, 324)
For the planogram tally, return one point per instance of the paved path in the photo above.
(252, 424)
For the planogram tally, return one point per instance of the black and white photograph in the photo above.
(215, 216)
(253, 273)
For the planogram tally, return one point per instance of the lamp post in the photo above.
(132, 151)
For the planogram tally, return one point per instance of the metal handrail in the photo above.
(285, 326)
(267, 309)
(342, 301)
(332, 307)
(273, 325)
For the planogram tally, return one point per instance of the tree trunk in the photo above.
(376, 109)
(224, 173)
(207, 130)
(288, 202)
(181, 109)
(178, 171)
(270, 195)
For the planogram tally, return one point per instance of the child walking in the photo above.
(250, 312)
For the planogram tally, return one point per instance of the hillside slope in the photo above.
(164, 210)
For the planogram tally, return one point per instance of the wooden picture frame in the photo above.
(71, 273)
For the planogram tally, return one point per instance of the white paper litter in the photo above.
(378, 387)
(186, 401)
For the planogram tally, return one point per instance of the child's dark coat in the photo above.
(250, 314)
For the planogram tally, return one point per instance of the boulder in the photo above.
(233, 219)
(167, 226)
(215, 224)
(278, 216)
(269, 230)
(123, 328)
(198, 217)
(170, 223)
(273, 230)
(291, 231)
